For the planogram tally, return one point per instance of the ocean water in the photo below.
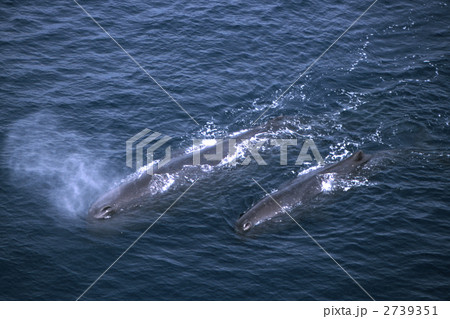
(70, 98)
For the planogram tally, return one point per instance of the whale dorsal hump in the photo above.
(359, 156)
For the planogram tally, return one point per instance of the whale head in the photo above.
(119, 199)
(244, 226)
(252, 222)
(265, 210)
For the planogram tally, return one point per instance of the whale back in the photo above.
(300, 190)
(350, 164)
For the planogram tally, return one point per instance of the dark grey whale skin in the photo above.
(132, 193)
(300, 190)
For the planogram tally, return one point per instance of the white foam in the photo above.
(162, 182)
(328, 181)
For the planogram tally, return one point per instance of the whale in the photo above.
(299, 191)
(138, 188)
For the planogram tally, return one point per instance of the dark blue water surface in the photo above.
(70, 98)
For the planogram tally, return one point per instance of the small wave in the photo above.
(340, 150)
(347, 184)
(204, 143)
(210, 131)
(362, 55)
